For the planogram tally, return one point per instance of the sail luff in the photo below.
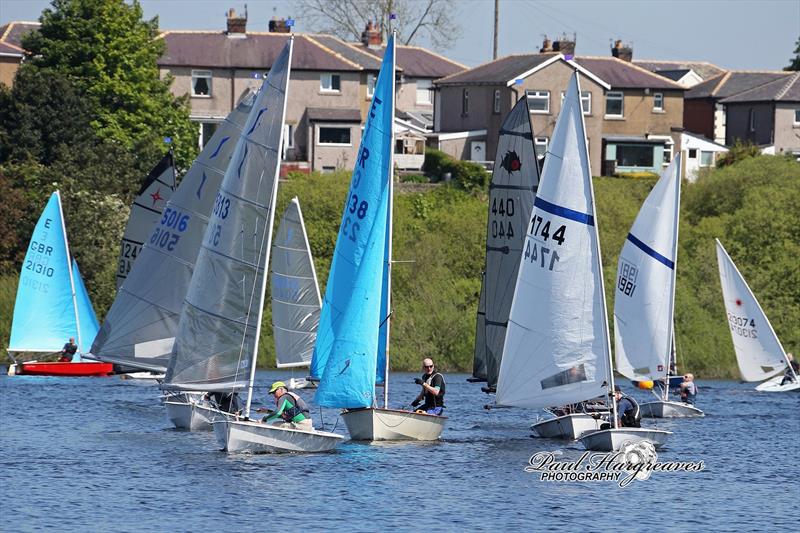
(71, 277)
(671, 325)
(388, 309)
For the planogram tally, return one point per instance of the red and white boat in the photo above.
(56, 368)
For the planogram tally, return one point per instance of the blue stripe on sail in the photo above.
(563, 212)
(649, 251)
(219, 147)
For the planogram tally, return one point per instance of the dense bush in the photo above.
(637, 175)
(465, 174)
(738, 152)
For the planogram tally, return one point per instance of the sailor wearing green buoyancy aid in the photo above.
(289, 407)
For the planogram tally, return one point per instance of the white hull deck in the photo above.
(774, 385)
(610, 440)
(569, 426)
(374, 424)
(301, 383)
(662, 409)
(248, 436)
(193, 416)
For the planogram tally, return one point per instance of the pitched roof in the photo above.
(11, 50)
(252, 50)
(702, 68)
(780, 90)
(498, 71)
(351, 53)
(674, 75)
(12, 32)
(333, 114)
(733, 82)
(417, 62)
(622, 74)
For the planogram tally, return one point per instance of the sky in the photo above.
(734, 34)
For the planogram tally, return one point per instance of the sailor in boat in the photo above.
(789, 377)
(433, 388)
(69, 350)
(291, 411)
(628, 413)
(225, 401)
(688, 389)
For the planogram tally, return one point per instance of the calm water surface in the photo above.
(98, 454)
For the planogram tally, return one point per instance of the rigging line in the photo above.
(584, 34)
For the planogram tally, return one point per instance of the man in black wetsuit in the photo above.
(628, 414)
(68, 351)
(433, 389)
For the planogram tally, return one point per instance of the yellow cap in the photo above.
(277, 385)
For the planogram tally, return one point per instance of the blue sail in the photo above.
(383, 333)
(347, 340)
(86, 317)
(44, 312)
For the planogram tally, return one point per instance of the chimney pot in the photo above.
(236, 24)
(547, 45)
(278, 25)
(564, 45)
(623, 52)
(371, 37)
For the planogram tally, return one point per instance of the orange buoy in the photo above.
(646, 385)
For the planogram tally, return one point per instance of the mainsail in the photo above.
(645, 289)
(217, 339)
(556, 348)
(87, 319)
(140, 327)
(511, 195)
(296, 301)
(346, 352)
(758, 350)
(145, 212)
(45, 312)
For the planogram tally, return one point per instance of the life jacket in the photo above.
(299, 407)
(437, 400)
(632, 417)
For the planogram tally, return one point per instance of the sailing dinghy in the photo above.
(758, 351)
(52, 304)
(557, 352)
(511, 194)
(351, 352)
(644, 305)
(296, 302)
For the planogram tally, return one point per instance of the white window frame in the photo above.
(700, 158)
(616, 95)
(426, 92)
(751, 121)
(658, 97)
(322, 125)
(539, 95)
(206, 74)
(372, 79)
(496, 101)
(586, 101)
(326, 82)
(539, 142)
(797, 117)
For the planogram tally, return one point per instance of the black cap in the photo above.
(617, 389)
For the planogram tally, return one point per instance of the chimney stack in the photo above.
(278, 25)
(622, 52)
(237, 24)
(547, 46)
(371, 36)
(565, 46)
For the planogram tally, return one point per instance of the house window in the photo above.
(371, 79)
(797, 117)
(540, 144)
(635, 155)
(706, 159)
(667, 153)
(424, 89)
(288, 135)
(465, 102)
(539, 101)
(614, 104)
(337, 135)
(586, 101)
(693, 153)
(497, 100)
(207, 129)
(658, 102)
(752, 125)
(330, 83)
(201, 83)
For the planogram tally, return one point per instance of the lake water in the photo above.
(98, 454)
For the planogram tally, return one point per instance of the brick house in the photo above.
(11, 52)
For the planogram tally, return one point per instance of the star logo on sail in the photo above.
(511, 162)
(156, 196)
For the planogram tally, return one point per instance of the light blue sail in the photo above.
(87, 320)
(345, 354)
(44, 312)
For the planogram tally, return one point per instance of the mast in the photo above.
(69, 269)
(674, 277)
(389, 234)
(268, 247)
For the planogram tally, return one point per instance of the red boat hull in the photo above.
(64, 369)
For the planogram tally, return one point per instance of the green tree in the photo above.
(111, 53)
(794, 63)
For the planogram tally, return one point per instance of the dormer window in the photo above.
(330, 83)
(201, 83)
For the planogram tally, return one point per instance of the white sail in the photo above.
(296, 302)
(217, 338)
(758, 350)
(556, 346)
(645, 287)
(139, 329)
(146, 211)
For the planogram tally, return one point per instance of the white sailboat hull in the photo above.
(374, 424)
(662, 409)
(610, 440)
(301, 383)
(774, 385)
(569, 426)
(248, 436)
(193, 416)
(143, 377)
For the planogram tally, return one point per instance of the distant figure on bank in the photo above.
(225, 401)
(68, 351)
(433, 389)
(289, 408)
(688, 389)
(628, 413)
(788, 377)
